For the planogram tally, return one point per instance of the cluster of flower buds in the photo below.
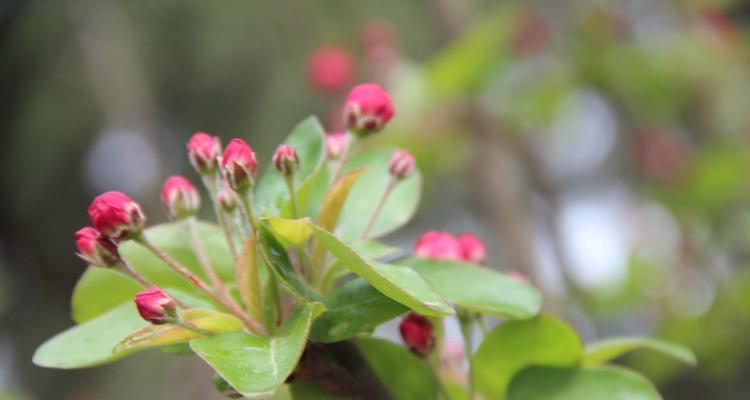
(402, 164)
(239, 165)
(368, 109)
(418, 334)
(180, 197)
(439, 245)
(285, 160)
(155, 306)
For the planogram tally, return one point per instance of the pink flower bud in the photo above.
(116, 216)
(227, 199)
(155, 306)
(180, 197)
(472, 248)
(336, 144)
(239, 165)
(402, 164)
(285, 160)
(367, 109)
(417, 333)
(204, 151)
(438, 245)
(330, 69)
(96, 249)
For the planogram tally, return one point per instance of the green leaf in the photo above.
(294, 232)
(604, 351)
(587, 383)
(90, 343)
(372, 249)
(407, 376)
(366, 193)
(478, 288)
(354, 308)
(306, 390)
(249, 278)
(257, 365)
(514, 345)
(310, 193)
(278, 260)
(399, 283)
(99, 290)
(307, 139)
(167, 334)
(335, 200)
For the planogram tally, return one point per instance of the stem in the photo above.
(292, 196)
(247, 209)
(125, 268)
(467, 330)
(198, 283)
(379, 208)
(442, 392)
(213, 190)
(482, 322)
(200, 253)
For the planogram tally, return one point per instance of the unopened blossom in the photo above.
(239, 165)
(180, 197)
(402, 164)
(336, 144)
(473, 249)
(95, 248)
(285, 160)
(116, 216)
(438, 245)
(368, 109)
(330, 69)
(204, 151)
(155, 306)
(418, 334)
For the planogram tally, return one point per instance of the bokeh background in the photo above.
(599, 147)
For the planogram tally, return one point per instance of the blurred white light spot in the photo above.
(122, 160)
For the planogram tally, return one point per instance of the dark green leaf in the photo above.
(279, 262)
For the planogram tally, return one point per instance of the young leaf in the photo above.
(514, 345)
(307, 139)
(479, 289)
(603, 351)
(399, 283)
(294, 232)
(90, 343)
(248, 278)
(352, 309)
(586, 383)
(168, 334)
(100, 290)
(406, 375)
(278, 260)
(366, 193)
(257, 365)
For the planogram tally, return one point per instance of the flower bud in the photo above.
(96, 249)
(517, 276)
(336, 144)
(155, 306)
(402, 164)
(239, 165)
(204, 151)
(367, 109)
(180, 197)
(417, 333)
(227, 198)
(438, 245)
(285, 160)
(472, 248)
(330, 69)
(116, 216)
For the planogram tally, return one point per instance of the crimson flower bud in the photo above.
(155, 306)
(472, 248)
(336, 144)
(95, 248)
(116, 216)
(330, 69)
(239, 165)
(204, 151)
(180, 197)
(402, 164)
(227, 199)
(418, 334)
(285, 159)
(438, 245)
(367, 109)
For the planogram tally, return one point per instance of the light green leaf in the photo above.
(100, 290)
(309, 194)
(479, 289)
(514, 345)
(167, 334)
(406, 375)
(354, 308)
(278, 260)
(366, 193)
(604, 351)
(399, 283)
(258, 365)
(587, 383)
(372, 249)
(307, 139)
(294, 232)
(90, 343)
